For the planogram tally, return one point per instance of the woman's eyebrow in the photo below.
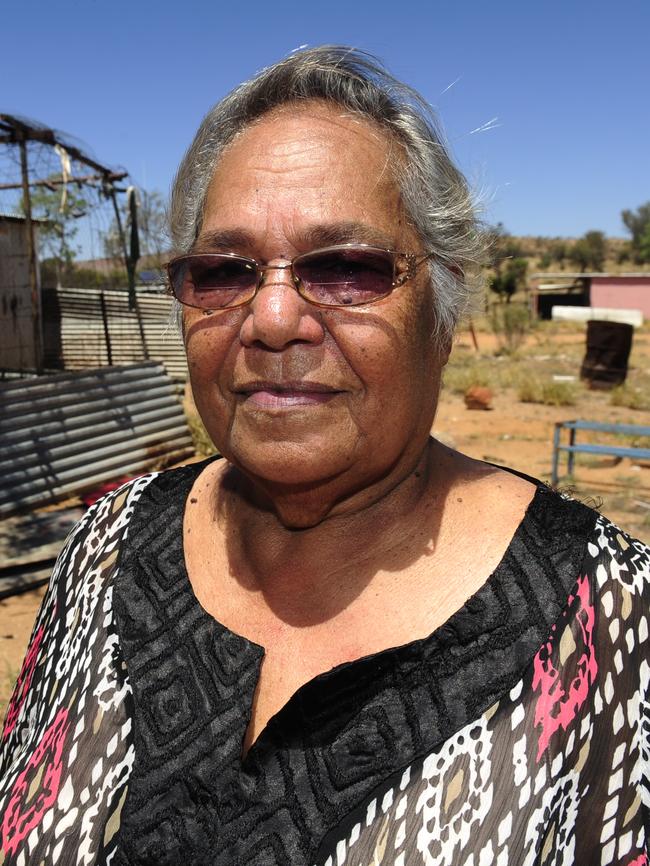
(223, 240)
(309, 238)
(330, 234)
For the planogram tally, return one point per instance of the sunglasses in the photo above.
(346, 275)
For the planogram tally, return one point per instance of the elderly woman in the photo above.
(344, 642)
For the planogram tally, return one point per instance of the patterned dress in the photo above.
(517, 733)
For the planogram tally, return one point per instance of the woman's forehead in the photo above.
(313, 136)
(316, 166)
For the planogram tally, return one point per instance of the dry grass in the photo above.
(458, 378)
(550, 349)
(511, 323)
(632, 397)
(548, 393)
(520, 434)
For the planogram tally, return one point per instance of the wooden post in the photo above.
(107, 333)
(473, 333)
(133, 304)
(31, 252)
(572, 455)
(555, 473)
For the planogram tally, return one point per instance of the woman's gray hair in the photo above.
(435, 194)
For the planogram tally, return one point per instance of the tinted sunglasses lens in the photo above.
(213, 281)
(345, 277)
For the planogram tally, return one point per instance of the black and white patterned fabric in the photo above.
(517, 733)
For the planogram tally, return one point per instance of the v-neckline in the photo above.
(341, 733)
(390, 654)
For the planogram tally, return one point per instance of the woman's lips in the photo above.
(265, 396)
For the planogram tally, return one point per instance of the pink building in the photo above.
(612, 291)
(622, 292)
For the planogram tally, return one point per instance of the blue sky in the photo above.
(569, 84)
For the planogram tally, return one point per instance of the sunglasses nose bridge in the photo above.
(262, 271)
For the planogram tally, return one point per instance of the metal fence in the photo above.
(93, 327)
(68, 433)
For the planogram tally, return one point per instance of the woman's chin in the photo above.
(289, 465)
(291, 455)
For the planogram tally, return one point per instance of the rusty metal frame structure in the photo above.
(18, 131)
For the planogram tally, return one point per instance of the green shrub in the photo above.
(458, 379)
(510, 323)
(548, 393)
(630, 397)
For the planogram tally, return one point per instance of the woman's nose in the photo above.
(278, 315)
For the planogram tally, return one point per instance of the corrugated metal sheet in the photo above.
(67, 433)
(164, 343)
(91, 327)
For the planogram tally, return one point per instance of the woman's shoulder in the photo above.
(72, 606)
(610, 588)
(616, 568)
(109, 519)
(561, 530)
(110, 515)
(610, 552)
(610, 556)
(69, 703)
(616, 555)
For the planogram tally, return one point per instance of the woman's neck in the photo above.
(386, 526)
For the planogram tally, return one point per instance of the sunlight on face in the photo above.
(290, 392)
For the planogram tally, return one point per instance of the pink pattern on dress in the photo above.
(25, 809)
(641, 860)
(558, 702)
(23, 683)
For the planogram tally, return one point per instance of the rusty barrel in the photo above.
(608, 352)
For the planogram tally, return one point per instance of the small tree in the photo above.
(152, 229)
(59, 229)
(558, 250)
(510, 277)
(624, 252)
(152, 222)
(637, 222)
(510, 324)
(643, 246)
(112, 242)
(588, 252)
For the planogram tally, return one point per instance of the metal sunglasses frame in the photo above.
(412, 260)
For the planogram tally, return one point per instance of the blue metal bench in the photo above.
(612, 450)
